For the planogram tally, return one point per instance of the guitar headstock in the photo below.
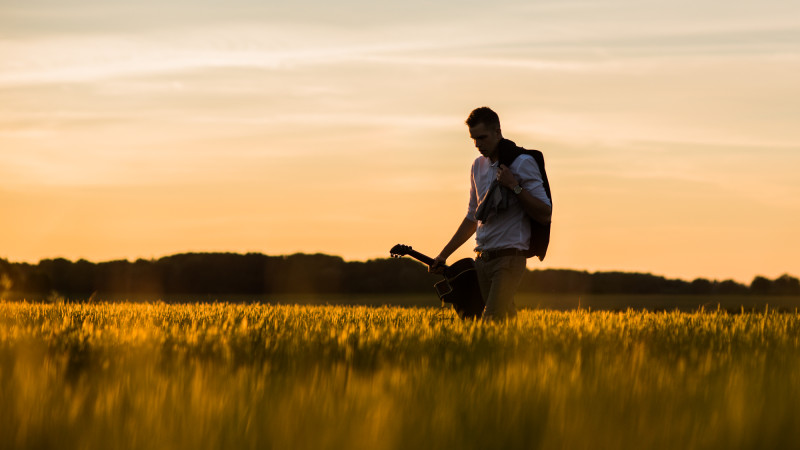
(400, 250)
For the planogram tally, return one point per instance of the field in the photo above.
(220, 375)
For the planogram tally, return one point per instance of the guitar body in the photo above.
(459, 287)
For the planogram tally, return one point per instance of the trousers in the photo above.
(499, 279)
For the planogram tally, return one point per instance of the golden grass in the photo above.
(196, 376)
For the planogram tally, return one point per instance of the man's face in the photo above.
(486, 139)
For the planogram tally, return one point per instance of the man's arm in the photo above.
(533, 207)
(462, 234)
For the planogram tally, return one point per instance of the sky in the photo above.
(143, 129)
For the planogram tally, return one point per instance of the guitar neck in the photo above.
(420, 257)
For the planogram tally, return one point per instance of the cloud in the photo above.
(550, 36)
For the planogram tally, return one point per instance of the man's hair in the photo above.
(485, 116)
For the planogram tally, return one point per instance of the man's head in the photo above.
(484, 129)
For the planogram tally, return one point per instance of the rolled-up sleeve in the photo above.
(527, 171)
(473, 195)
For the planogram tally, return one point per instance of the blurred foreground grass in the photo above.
(197, 376)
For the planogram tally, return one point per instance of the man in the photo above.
(498, 215)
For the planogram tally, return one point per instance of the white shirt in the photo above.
(510, 228)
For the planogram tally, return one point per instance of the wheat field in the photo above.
(203, 376)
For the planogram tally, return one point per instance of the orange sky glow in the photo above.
(145, 129)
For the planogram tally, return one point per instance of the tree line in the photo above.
(259, 274)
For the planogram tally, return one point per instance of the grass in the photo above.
(195, 376)
(550, 301)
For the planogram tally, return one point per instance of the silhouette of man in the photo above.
(501, 199)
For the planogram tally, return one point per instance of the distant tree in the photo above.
(6, 280)
(761, 285)
(255, 273)
(146, 277)
(728, 287)
(210, 273)
(303, 273)
(57, 272)
(556, 281)
(114, 276)
(28, 278)
(629, 283)
(396, 275)
(786, 285)
(82, 278)
(701, 286)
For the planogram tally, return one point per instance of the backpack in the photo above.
(540, 233)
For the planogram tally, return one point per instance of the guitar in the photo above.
(459, 286)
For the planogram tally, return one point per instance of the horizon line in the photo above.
(320, 253)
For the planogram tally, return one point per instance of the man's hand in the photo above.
(506, 177)
(534, 208)
(438, 265)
